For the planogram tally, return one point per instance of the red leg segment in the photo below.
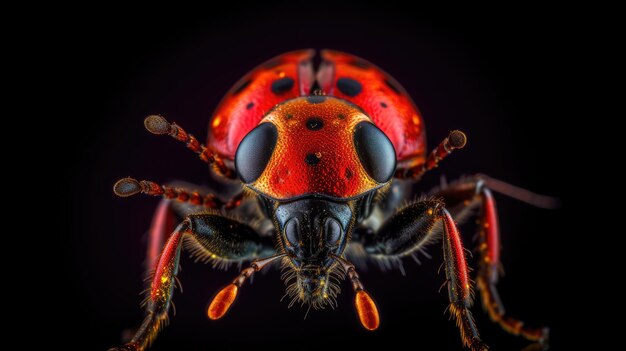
(488, 273)
(463, 196)
(162, 225)
(166, 269)
(161, 291)
(208, 236)
(490, 233)
(459, 290)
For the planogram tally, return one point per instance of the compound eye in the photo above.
(333, 231)
(255, 151)
(375, 151)
(292, 232)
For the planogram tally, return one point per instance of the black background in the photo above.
(500, 78)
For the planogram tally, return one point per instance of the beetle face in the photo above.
(311, 231)
(313, 157)
(315, 146)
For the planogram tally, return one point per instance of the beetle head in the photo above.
(313, 159)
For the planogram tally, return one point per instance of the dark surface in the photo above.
(499, 78)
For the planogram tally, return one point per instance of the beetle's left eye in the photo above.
(333, 231)
(255, 151)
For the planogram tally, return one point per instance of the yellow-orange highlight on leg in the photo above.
(222, 301)
(366, 308)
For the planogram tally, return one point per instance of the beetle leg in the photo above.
(163, 223)
(158, 125)
(129, 186)
(176, 204)
(455, 140)
(208, 237)
(412, 228)
(164, 219)
(463, 197)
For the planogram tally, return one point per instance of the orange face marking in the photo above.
(222, 302)
(315, 151)
(366, 308)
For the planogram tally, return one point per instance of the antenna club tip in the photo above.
(367, 310)
(126, 187)
(156, 124)
(457, 139)
(222, 301)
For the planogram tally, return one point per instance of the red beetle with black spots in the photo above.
(314, 150)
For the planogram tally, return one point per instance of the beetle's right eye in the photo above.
(375, 151)
(292, 232)
(255, 151)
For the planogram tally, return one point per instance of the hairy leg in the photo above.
(413, 227)
(463, 197)
(208, 236)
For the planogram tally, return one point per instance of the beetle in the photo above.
(314, 150)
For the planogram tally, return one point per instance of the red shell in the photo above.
(307, 160)
(251, 98)
(381, 97)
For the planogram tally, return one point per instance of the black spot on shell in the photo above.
(311, 159)
(383, 105)
(314, 123)
(282, 85)
(241, 86)
(315, 99)
(250, 105)
(393, 85)
(289, 116)
(349, 86)
(341, 116)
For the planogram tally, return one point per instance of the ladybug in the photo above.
(324, 156)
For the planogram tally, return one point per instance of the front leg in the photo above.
(208, 236)
(412, 228)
